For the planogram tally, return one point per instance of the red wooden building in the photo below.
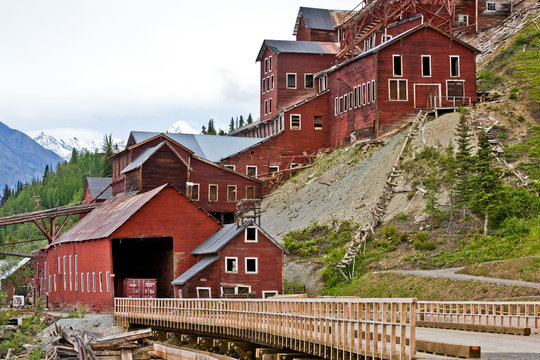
(153, 235)
(96, 189)
(190, 163)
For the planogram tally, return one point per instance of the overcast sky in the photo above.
(92, 67)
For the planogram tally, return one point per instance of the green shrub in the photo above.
(513, 96)
(422, 242)
(521, 118)
(402, 216)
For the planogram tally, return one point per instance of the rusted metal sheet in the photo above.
(104, 220)
(139, 288)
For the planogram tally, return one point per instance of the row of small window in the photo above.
(251, 265)
(213, 192)
(251, 170)
(268, 106)
(296, 122)
(267, 84)
(267, 64)
(49, 282)
(361, 95)
(291, 81)
(397, 65)
(206, 292)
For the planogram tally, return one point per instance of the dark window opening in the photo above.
(295, 122)
(231, 264)
(397, 65)
(212, 193)
(250, 192)
(454, 66)
(318, 122)
(291, 81)
(309, 81)
(251, 234)
(251, 265)
(426, 66)
(251, 171)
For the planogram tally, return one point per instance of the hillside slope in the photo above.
(21, 158)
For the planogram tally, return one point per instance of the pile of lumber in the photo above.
(68, 343)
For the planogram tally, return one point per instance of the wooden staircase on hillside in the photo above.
(378, 212)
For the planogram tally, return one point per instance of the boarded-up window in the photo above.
(250, 192)
(396, 61)
(398, 90)
(317, 122)
(251, 171)
(231, 193)
(455, 89)
(227, 290)
(243, 290)
(426, 65)
(295, 122)
(308, 81)
(291, 81)
(454, 66)
(195, 192)
(212, 193)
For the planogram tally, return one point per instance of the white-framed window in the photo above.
(230, 167)
(76, 275)
(369, 92)
(317, 122)
(242, 289)
(194, 191)
(265, 107)
(100, 281)
(308, 81)
(350, 100)
(269, 63)
(397, 90)
(336, 106)
(59, 267)
(369, 42)
(273, 168)
(346, 101)
(291, 80)
(385, 38)
(251, 235)
(397, 65)
(50, 286)
(270, 105)
(55, 288)
(65, 272)
(265, 65)
(323, 83)
(251, 170)
(373, 93)
(355, 93)
(213, 195)
(490, 6)
(263, 86)
(340, 104)
(231, 193)
(272, 80)
(87, 282)
(463, 20)
(293, 165)
(107, 281)
(269, 293)
(204, 292)
(426, 65)
(94, 282)
(364, 100)
(251, 265)
(82, 282)
(454, 65)
(296, 123)
(231, 264)
(70, 274)
(250, 192)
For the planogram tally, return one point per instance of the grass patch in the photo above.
(396, 285)
(524, 269)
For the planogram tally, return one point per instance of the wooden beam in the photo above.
(16, 254)
(46, 214)
(62, 226)
(44, 231)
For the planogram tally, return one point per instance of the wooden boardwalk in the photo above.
(331, 328)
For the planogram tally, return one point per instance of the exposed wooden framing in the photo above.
(46, 214)
(20, 242)
(334, 328)
(16, 254)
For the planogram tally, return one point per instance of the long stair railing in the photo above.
(359, 239)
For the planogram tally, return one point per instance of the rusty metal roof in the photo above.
(321, 19)
(106, 219)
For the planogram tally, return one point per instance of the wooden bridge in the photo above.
(334, 328)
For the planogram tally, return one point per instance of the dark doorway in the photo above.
(144, 258)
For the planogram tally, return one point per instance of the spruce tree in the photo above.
(5, 195)
(46, 172)
(485, 182)
(450, 176)
(108, 148)
(241, 122)
(203, 130)
(211, 128)
(231, 125)
(463, 160)
(221, 132)
(249, 119)
(237, 126)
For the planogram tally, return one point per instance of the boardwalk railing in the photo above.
(512, 314)
(334, 328)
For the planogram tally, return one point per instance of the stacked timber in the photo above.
(68, 343)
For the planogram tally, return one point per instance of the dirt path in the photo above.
(450, 273)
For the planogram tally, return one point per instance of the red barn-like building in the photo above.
(150, 235)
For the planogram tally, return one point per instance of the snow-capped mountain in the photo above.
(63, 148)
(181, 127)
